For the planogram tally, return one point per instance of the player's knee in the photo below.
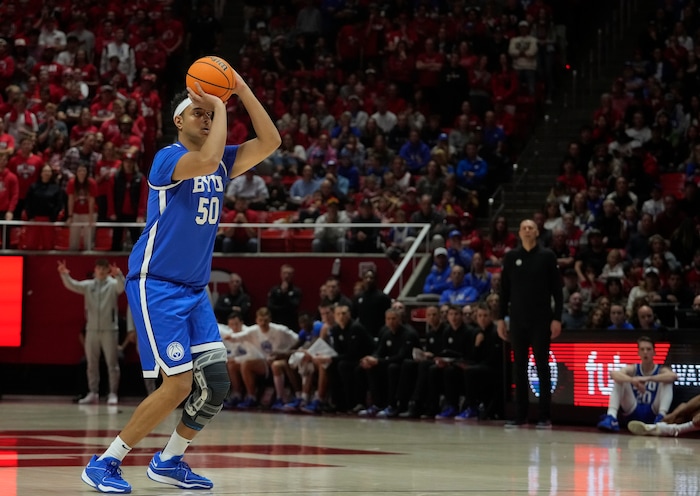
(212, 384)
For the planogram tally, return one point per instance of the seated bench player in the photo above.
(643, 391)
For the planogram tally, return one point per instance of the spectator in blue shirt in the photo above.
(618, 319)
(458, 254)
(472, 169)
(348, 170)
(492, 132)
(415, 153)
(458, 293)
(478, 277)
(439, 278)
(304, 187)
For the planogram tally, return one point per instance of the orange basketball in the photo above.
(215, 76)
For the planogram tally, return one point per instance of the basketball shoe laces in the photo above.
(114, 470)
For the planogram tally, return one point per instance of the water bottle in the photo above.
(335, 271)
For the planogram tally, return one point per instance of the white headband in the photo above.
(183, 105)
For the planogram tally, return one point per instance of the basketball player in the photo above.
(644, 391)
(685, 418)
(169, 270)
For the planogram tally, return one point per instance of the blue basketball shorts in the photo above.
(643, 413)
(173, 323)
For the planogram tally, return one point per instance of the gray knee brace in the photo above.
(211, 385)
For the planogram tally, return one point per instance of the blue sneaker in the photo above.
(177, 473)
(105, 476)
(231, 403)
(313, 407)
(277, 406)
(446, 413)
(609, 423)
(659, 418)
(467, 414)
(293, 406)
(247, 403)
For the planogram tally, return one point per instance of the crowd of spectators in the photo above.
(81, 92)
(389, 112)
(624, 215)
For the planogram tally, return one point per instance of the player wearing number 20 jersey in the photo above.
(170, 264)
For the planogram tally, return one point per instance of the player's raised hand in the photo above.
(202, 99)
(114, 270)
(62, 269)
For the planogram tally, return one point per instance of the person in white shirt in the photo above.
(120, 48)
(249, 187)
(639, 131)
(523, 51)
(327, 237)
(236, 353)
(386, 119)
(264, 342)
(51, 36)
(654, 205)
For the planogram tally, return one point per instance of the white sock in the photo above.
(687, 427)
(305, 397)
(118, 449)
(175, 447)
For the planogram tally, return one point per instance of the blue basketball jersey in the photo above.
(650, 388)
(182, 221)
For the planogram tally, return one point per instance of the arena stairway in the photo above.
(559, 124)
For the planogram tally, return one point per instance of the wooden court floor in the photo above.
(45, 442)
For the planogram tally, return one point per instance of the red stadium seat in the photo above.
(418, 314)
(103, 239)
(62, 239)
(274, 240)
(302, 240)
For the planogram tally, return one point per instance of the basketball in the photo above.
(214, 75)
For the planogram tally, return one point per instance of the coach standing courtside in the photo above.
(530, 281)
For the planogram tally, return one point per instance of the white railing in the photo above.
(421, 238)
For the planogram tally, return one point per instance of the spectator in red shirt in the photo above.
(87, 71)
(572, 179)
(82, 191)
(172, 33)
(237, 131)
(104, 173)
(127, 198)
(428, 65)
(348, 46)
(7, 64)
(9, 191)
(83, 127)
(54, 69)
(151, 114)
(110, 128)
(499, 242)
(127, 137)
(26, 166)
(7, 141)
(504, 81)
(101, 110)
(152, 56)
(401, 67)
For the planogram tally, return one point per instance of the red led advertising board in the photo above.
(11, 269)
(580, 372)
